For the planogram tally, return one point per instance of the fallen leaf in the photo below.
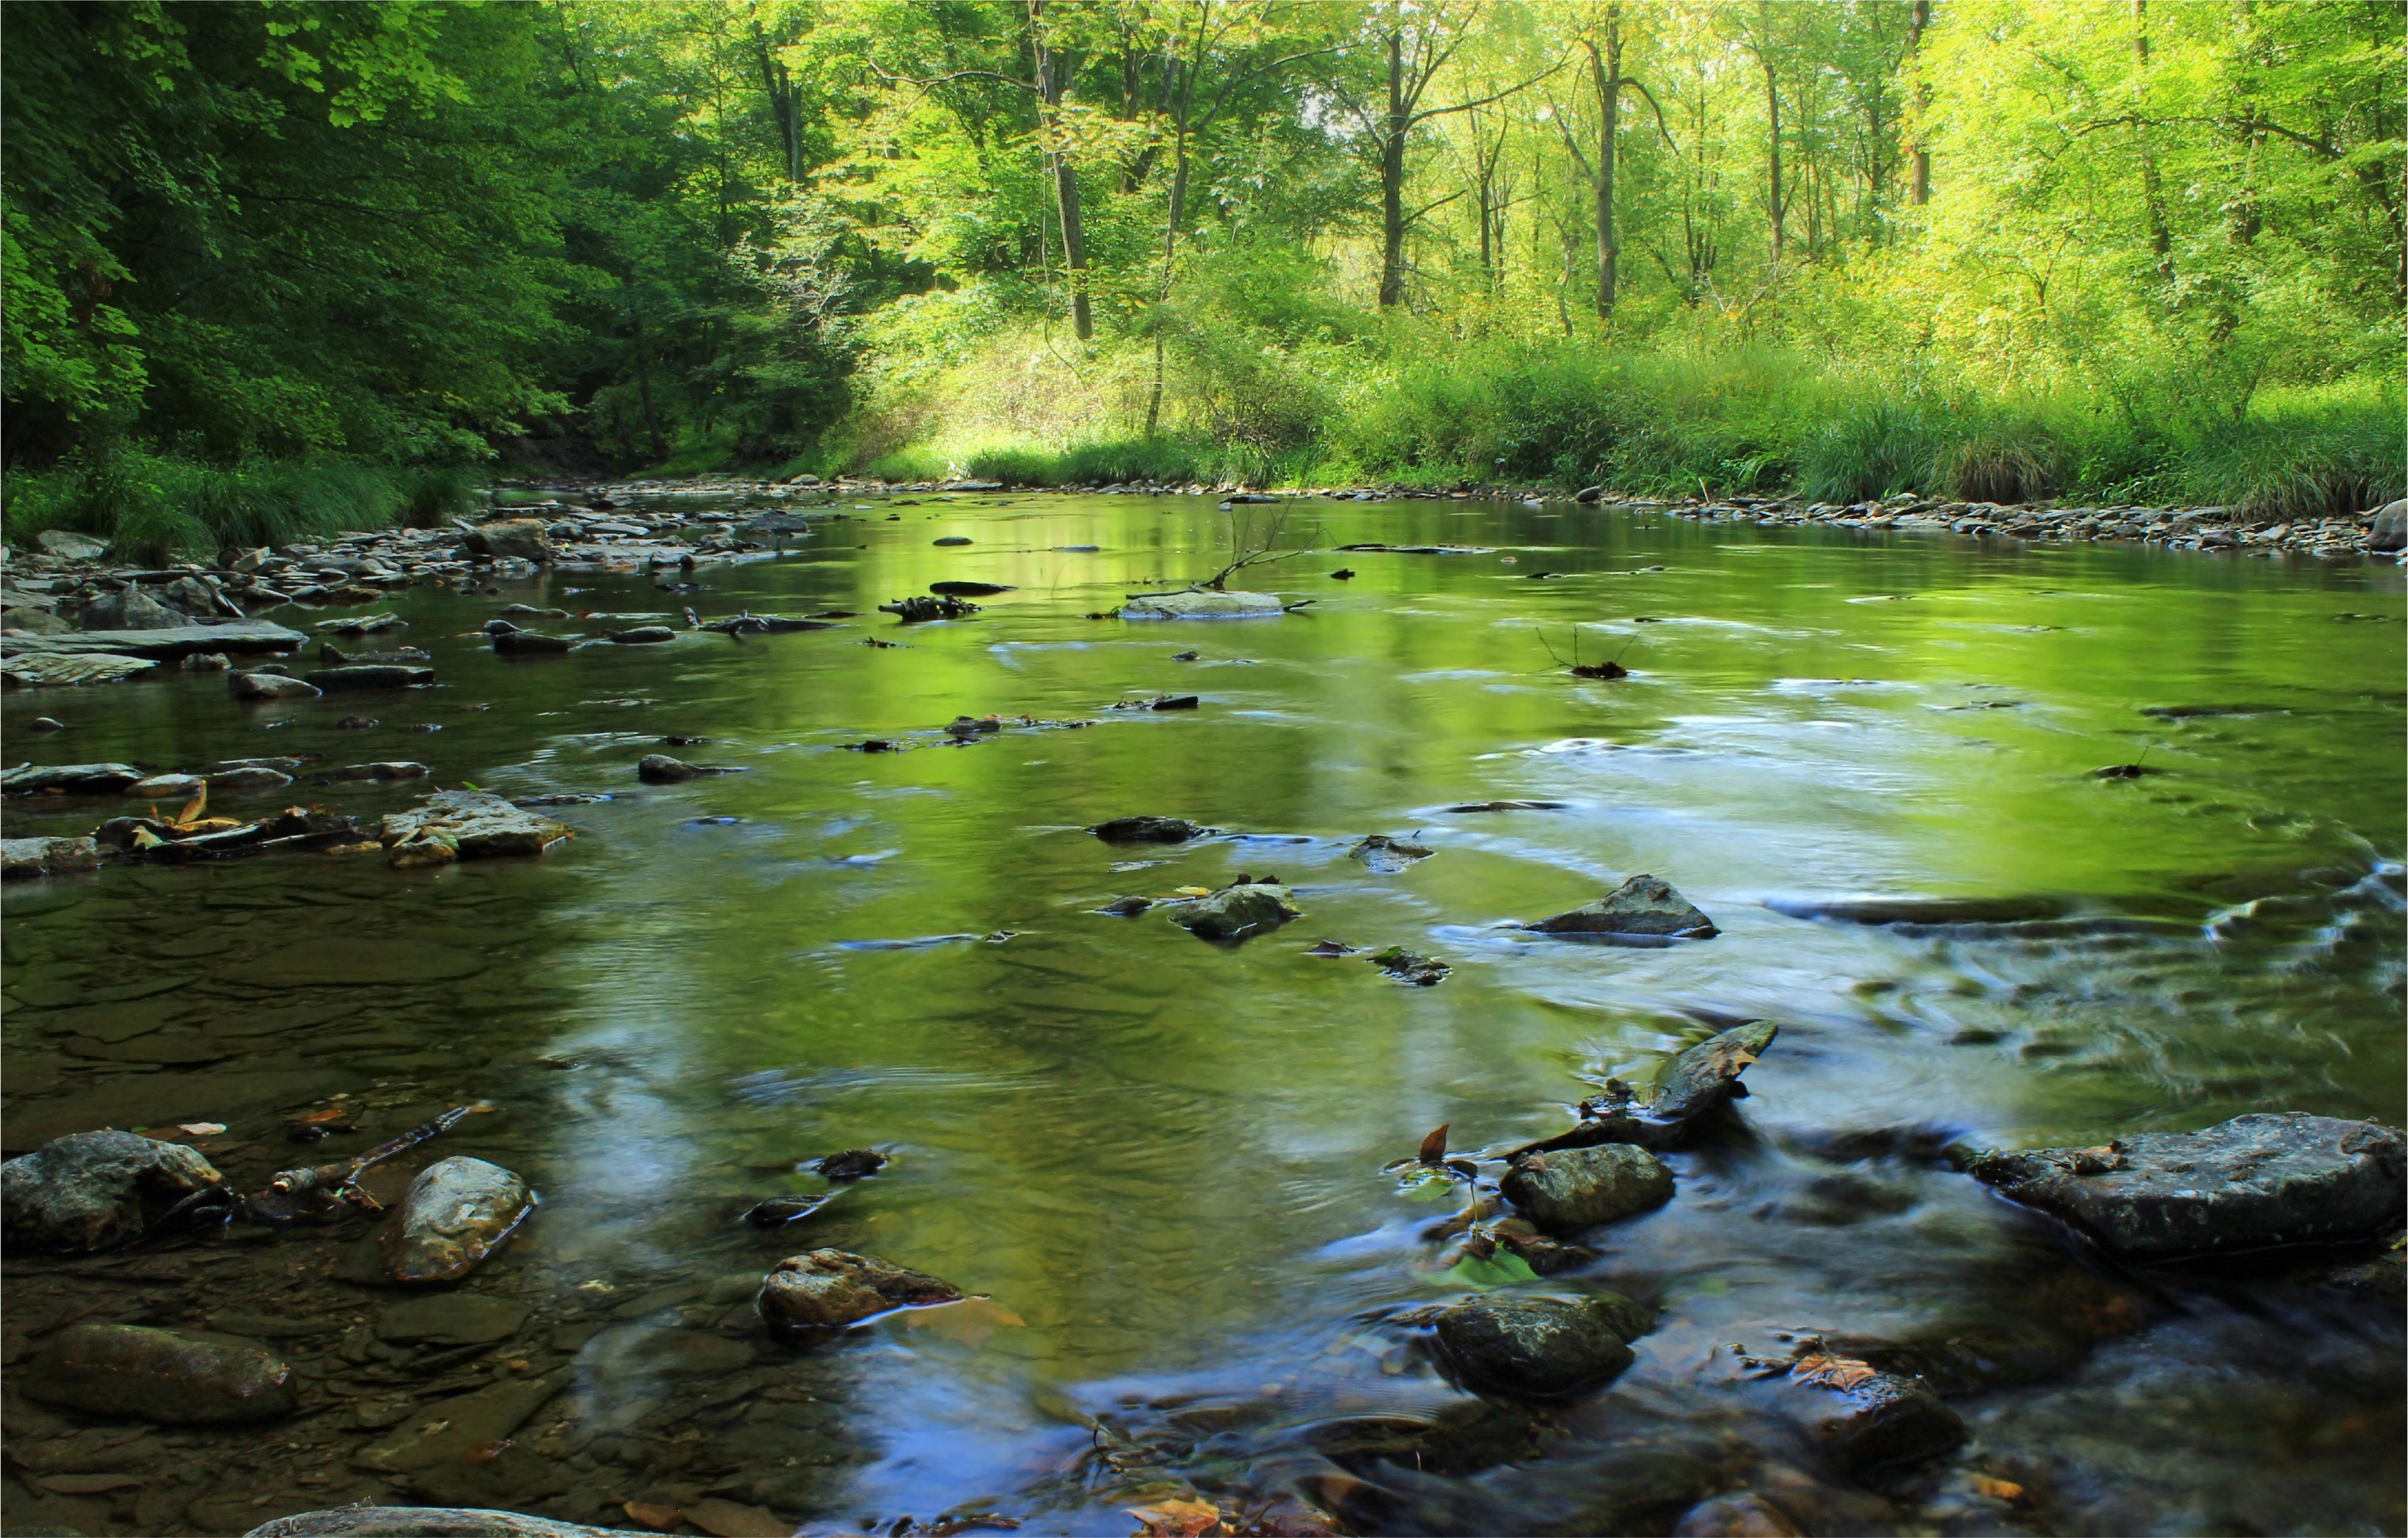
(1434, 1146)
(1191, 892)
(1178, 1518)
(324, 1115)
(192, 808)
(1832, 1372)
(1998, 1489)
(658, 1518)
(201, 1129)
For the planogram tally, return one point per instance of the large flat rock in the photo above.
(1203, 606)
(165, 645)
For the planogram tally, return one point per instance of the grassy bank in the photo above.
(154, 507)
(1568, 414)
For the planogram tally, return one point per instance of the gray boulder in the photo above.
(1203, 606)
(509, 539)
(1863, 1419)
(70, 546)
(458, 1211)
(1641, 905)
(157, 1374)
(250, 778)
(2390, 531)
(21, 857)
(1236, 912)
(2244, 1183)
(1568, 1188)
(130, 608)
(37, 620)
(96, 1191)
(269, 686)
(1708, 1074)
(831, 1289)
(75, 779)
(469, 825)
(1541, 1348)
(420, 1522)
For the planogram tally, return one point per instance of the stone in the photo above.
(458, 1211)
(1641, 905)
(207, 662)
(37, 620)
(644, 636)
(1708, 1074)
(509, 539)
(1541, 1347)
(1236, 912)
(450, 1430)
(968, 589)
(157, 1374)
(1589, 493)
(450, 1319)
(130, 608)
(90, 1191)
(529, 643)
(23, 857)
(70, 670)
(1866, 1420)
(164, 645)
(920, 608)
(1148, 829)
(269, 686)
(45, 723)
(661, 769)
(473, 824)
(384, 769)
(83, 780)
(1410, 966)
(1739, 1515)
(420, 1522)
(1203, 606)
(370, 675)
(70, 546)
(190, 594)
(2390, 531)
(2248, 1183)
(253, 777)
(1386, 855)
(831, 1289)
(1566, 1188)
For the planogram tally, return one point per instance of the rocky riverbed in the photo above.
(1912, 1047)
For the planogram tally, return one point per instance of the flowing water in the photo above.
(1160, 1162)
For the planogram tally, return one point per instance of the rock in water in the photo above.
(249, 777)
(1640, 905)
(420, 1522)
(269, 686)
(1575, 1188)
(1708, 1074)
(75, 779)
(132, 609)
(459, 1210)
(661, 769)
(96, 1191)
(1740, 1516)
(27, 857)
(1544, 1347)
(831, 1289)
(175, 788)
(471, 824)
(1410, 966)
(2250, 1182)
(1235, 912)
(529, 643)
(1387, 855)
(1203, 606)
(453, 1430)
(509, 539)
(1148, 829)
(370, 675)
(157, 1374)
(644, 636)
(69, 669)
(1864, 1418)
(450, 1319)
(2390, 532)
(70, 546)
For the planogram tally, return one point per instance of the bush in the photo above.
(1873, 451)
(2007, 462)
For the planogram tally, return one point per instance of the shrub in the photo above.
(1873, 451)
(2003, 463)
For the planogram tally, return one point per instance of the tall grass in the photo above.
(154, 507)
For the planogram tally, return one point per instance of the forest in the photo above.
(282, 265)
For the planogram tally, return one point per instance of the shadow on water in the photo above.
(1158, 1161)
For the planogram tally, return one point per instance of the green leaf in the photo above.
(1504, 1268)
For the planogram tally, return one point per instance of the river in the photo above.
(1160, 1162)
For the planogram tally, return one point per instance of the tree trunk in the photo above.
(1392, 181)
(1605, 72)
(2152, 197)
(644, 394)
(783, 104)
(1772, 121)
(1169, 240)
(1065, 178)
(1919, 192)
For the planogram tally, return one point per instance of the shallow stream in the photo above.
(1160, 1162)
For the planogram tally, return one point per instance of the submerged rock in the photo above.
(20, 857)
(451, 1432)
(1864, 1418)
(420, 1522)
(1148, 829)
(370, 675)
(1708, 1074)
(1571, 1189)
(1410, 966)
(2247, 1183)
(1203, 606)
(643, 635)
(530, 643)
(661, 769)
(253, 776)
(920, 608)
(269, 686)
(1237, 911)
(1126, 907)
(450, 1319)
(75, 779)
(850, 1164)
(1740, 1516)
(2390, 531)
(831, 1289)
(1388, 855)
(157, 1374)
(1641, 905)
(458, 1211)
(470, 825)
(1542, 1347)
(96, 1191)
